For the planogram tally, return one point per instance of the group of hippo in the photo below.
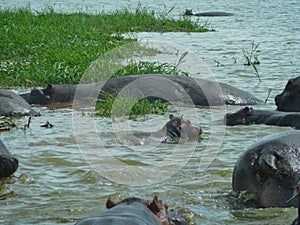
(270, 169)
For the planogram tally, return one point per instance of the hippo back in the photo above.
(12, 104)
(186, 90)
(130, 213)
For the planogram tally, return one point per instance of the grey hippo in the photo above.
(189, 12)
(270, 170)
(12, 104)
(135, 211)
(176, 130)
(8, 164)
(179, 89)
(248, 116)
(289, 99)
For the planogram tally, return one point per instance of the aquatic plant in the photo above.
(144, 67)
(113, 105)
(251, 56)
(37, 48)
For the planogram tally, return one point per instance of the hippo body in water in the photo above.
(12, 104)
(248, 116)
(8, 164)
(179, 89)
(134, 211)
(289, 99)
(177, 130)
(270, 170)
(189, 12)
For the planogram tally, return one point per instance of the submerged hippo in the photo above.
(247, 116)
(8, 164)
(12, 104)
(189, 12)
(179, 89)
(270, 170)
(135, 211)
(289, 99)
(177, 130)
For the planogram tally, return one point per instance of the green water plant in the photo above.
(114, 105)
(37, 48)
(251, 56)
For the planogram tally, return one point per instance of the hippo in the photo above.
(8, 164)
(177, 130)
(247, 116)
(179, 89)
(288, 100)
(270, 170)
(189, 12)
(12, 104)
(135, 211)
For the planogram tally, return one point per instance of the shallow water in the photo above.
(56, 185)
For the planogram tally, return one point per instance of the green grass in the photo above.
(118, 106)
(48, 47)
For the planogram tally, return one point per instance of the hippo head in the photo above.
(37, 96)
(238, 118)
(271, 172)
(179, 129)
(158, 208)
(188, 12)
(289, 99)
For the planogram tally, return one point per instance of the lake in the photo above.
(57, 182)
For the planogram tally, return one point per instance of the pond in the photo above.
(57, 184)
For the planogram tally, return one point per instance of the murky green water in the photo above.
(56, 185)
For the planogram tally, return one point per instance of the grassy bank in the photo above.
(50, 47)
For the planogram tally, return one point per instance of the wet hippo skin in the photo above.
(289, 99)
(179, 89)
(270, 170)
(12, 104)
(248, 116)
(8, 164)
(134, 211)
(189, 12)
(177, 130)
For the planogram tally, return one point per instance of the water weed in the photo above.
(37, 48)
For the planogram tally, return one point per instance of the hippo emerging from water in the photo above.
(177, 130)
(8, 164)
(12, 104)
(189, 12)
(247, 116)
(289, 99)
(270, 170)
(179, 89)
(135, 211)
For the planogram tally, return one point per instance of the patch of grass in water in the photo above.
(38, 48)
(119, 106)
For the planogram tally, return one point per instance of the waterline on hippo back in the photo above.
(94, 150)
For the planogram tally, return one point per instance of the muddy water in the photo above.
(56, 185)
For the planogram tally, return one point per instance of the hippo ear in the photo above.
(289, 85)
(153, 206)
(49, 87)
(246, 110)
(171, 117)
(268, 162)
(109, 203)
